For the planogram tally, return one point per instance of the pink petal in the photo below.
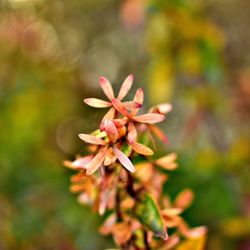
(79, 163)
(91, 139)
(141, 149)
(149, 118)
(165, 108)
(111, 130)
(132, 134)
(108, 116)
(96, 162)
(138, 98)
(82, 161)
(126, 86)
(124, 160)
(97, 103)
(132, 105)
(120, 107)
(106, 87)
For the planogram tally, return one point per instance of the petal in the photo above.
(126, 86)
(96, 162)
(132, 105)
(106, 87)
(111, 130)
(91, 139)
(124, 160)
(97, 103)
(138, 98)
(164, 108)
(108, 116)
(79, 163)
(184, 199)
(110, 157)
(167, 162)
(159, 133)
(192, 233)
(171, 243)
(132, 134)
(120, 107)
(141, 149)
(149, 118)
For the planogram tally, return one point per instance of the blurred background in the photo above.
(192, 53)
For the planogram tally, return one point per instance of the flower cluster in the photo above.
(120, 180)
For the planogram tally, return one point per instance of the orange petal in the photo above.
(193, 233)
(96, 162)
(171, 212)
(120, 107)
(158, 132)
(111, 130)
(91, 139)
(124, 160)
(108, 224)
(132, 134)
(126, 86)
(149, 118)
(122, 232)
(184, 199)
(170, 243)
(141, 149)
(97, 103)
(110, 157)
(106, 87)
(167, 162)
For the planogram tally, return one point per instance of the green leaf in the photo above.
(148, 214)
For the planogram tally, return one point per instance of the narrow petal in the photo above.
(108, 116)
(96, 162)
(120, 107)
(164, 108)
(167, 162)
(126, 86)
(91, 139)
(124, 160)
(132, 105)
(184, 199)
(141, 149)
(111, 130)
(79, 163)
(110, 157)
(97, 103)
(159, 133)
(138, 98)
(106, 87)
(149, 118)
(132, 134)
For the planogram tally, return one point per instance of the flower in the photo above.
(109, 92)
(108, 150)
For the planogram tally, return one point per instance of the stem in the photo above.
(117, 207)
(147, 246)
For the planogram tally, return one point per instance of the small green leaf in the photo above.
(148, 214)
